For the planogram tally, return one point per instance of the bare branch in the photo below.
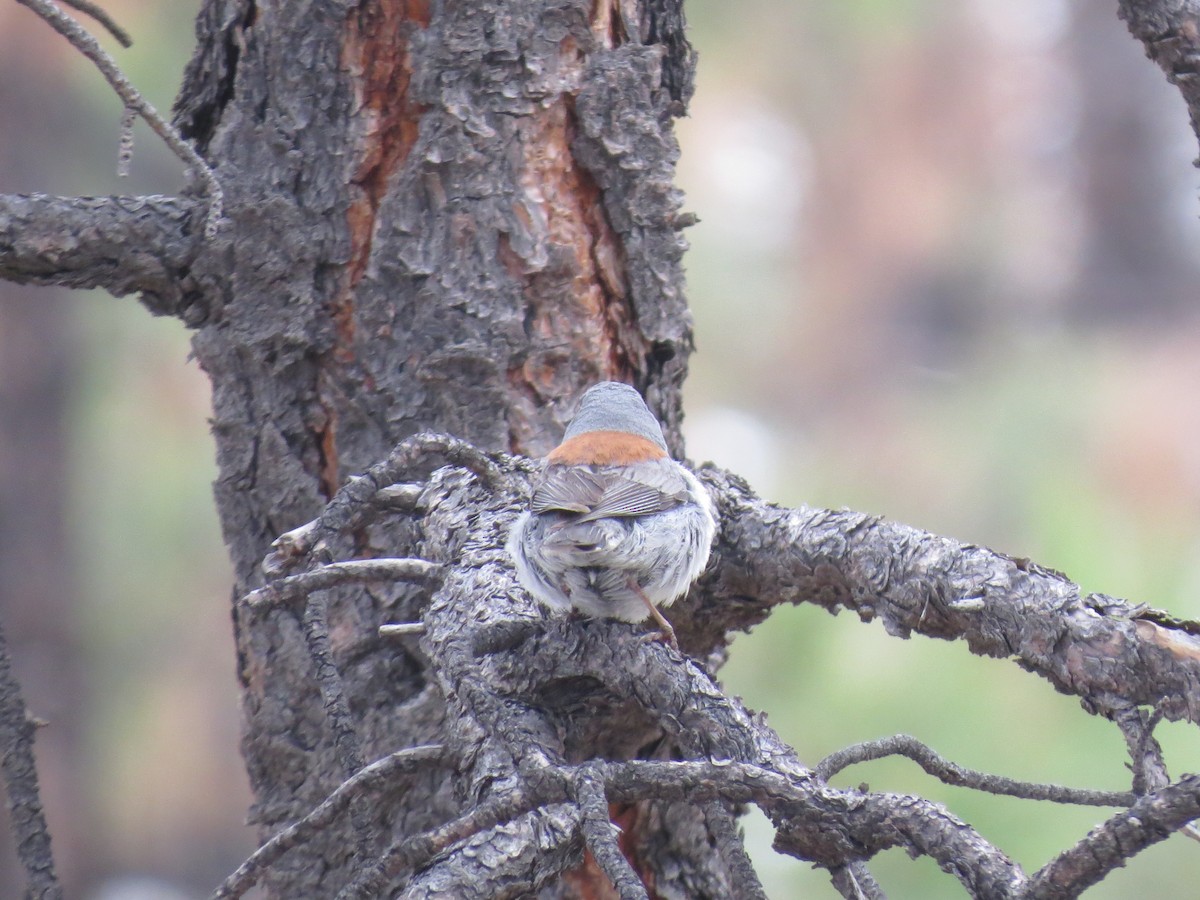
(86, 44)
(290, 546)
(600, 834)
(855, 882)
(525, 855)
(514, 735)
(949, 773)
(125, 245)
(367, 780)
(412, 852)
(400, 497)
(1170, 32)
(1145, 752)
(723, 825)
(401, 629)
(750, 763)
(869, 822)
(354, 571)
(91, 9)
(859, 819)
(30, 832)
(358, 499)
(1151, 819)
(337, 709)
(1106, 651)
(1148, 763)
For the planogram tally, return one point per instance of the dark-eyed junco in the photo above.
(615, 527)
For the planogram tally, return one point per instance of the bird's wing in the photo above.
(572, 489)
(637, 495)
(637, 490)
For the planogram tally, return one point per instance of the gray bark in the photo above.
(449, 217)
(1170, 31)
(456, 216)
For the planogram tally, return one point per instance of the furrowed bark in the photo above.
(439, 216)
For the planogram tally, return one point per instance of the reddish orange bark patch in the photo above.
(580, 317)
(330, 474)
(625, 817)
(376, 54)
(376, 50)
(588, 880)
(605, 448)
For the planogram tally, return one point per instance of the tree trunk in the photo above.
(447, 216)
(455, 217)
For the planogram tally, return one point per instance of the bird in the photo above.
(615, 528)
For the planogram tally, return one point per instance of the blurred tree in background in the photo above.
(943, 273)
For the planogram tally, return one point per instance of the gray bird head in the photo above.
(612, 406)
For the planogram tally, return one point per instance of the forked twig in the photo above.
(100, 15)
(351, 571)
(83, 41)
(376, 489)
(1113, 843)
(362, 783)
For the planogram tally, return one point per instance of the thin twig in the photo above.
(352, 505)
(100, 15)
(292, 546)
(600, 835)
(854, 881)
(366, 780)
(414, 851)
(950, 773)
(1146, 754)
(723, 825)
(1109, 846)
(377, 489)
(401, 629)
(354, 571)
(82, 41)
(30, 832)
(403, 497)
(316, 633)
(628, 782)
(337, 708)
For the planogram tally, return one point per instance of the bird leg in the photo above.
(666, 632)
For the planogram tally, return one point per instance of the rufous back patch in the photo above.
(605, 448)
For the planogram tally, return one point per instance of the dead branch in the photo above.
(30, 832)
(600, 835)
(294, 588)
(730, 843)
(369, 780)
(1106, 651)
(125, 245)
(949, 773)
(1151, 819)
(1170, 33)
(515, 682)
(110, 25)
(364, 497)
(82, 41)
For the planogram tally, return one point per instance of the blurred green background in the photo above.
(945, 272)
